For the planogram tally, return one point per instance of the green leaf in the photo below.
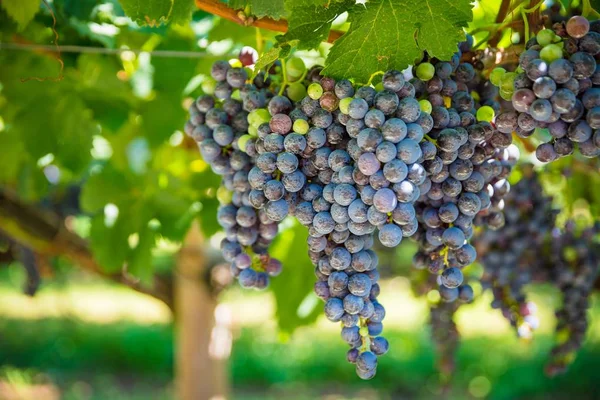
(106, 186)
(296, 305)
(140, 261)
(182, 11)
(310, 21)
(208, 217)
(157, 12)
(32, 185)
(157, 127)
(12, 154)
(80, 9)
(22, 11)
(63, 126)
(224, 29)
(174, 212)
(109, 240)
(109, 243)
(260, 8)
(74, 128)
(392, 34)
(273, 54)
(267, 58)
(85, 30)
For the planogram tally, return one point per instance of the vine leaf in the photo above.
(22, 11)
(271, 55)
(140, 261)
(294, 286)
(157, 12)
(80, 9)
(267, 58)
(310, 20)
(259, 8)
(392, 34)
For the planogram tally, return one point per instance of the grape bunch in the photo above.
(531, 248)
(445, 335)
(338, 158)
(443, 330)
(421, 155)
(556, 90)
(466, 164)
(573, 265)
(510, 255)
(359, 161)
(218, 122)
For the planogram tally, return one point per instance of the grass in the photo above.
(96, 341)
(131, 359)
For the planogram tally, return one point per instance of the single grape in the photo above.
(315, 91)
(425, 71)
(551, 53)
(578, 26)
(545, 37)
(496, 75)
(485, 113)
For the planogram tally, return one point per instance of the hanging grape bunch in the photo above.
(510, 255)
(555, 90)
(423, 154)
(349, 162)
(570, 260)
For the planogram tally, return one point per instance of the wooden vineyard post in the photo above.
(202, 347)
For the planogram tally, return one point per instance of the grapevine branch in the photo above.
(218, 8)
(46, 235)
(504, 7)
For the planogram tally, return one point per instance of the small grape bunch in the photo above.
(555, 90)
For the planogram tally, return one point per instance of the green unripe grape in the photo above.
(344, 104)
(570, 254)
(236, 95)
(550, 53)
(209, 85)
(515, 38)
(315, 91)
(224, 196)
(296, 91)
(506, 95)
(507, 83)
(253, 130)
(300, 126)
(425, 106)
(242, 142)
(259, 116)
(496, 75)
(295, 68)
(545, 37)
(235, 63)
(485, 113)
(425, 71)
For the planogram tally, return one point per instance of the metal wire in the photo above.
(97, 50)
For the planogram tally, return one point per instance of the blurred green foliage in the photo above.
(112, 129)
(306, 367)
